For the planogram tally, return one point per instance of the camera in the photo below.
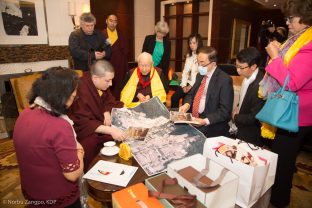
(268, 23)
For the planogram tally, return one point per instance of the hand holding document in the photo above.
(179, 117)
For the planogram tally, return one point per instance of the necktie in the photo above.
(198, 96)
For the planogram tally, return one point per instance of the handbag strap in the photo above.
(179, 201)
(285, 82)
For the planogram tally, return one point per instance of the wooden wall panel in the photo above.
(125, 13)
(224, 12)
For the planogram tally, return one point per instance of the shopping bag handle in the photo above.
(179, 201)
(249, 145)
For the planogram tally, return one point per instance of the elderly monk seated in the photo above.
(91, 110)
(143, 83)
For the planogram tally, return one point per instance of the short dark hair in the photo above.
(211, 51)
(55, 87)
(300, 8)
(199, 41)
(250, 56)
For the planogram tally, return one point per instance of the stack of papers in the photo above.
(112, 173)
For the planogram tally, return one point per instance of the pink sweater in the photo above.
(300, 70)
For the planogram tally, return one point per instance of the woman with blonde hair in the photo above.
(159, 46)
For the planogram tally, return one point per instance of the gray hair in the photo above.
(145, 55)
(88, 17)
(162, 27)
(101, 67)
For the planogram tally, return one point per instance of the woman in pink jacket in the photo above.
(293, 57)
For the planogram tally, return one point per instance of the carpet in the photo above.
(7, 154)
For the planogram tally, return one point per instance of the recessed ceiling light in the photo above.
(274, 5)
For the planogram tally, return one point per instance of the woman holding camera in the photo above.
(293, 58)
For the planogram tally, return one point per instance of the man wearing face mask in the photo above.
(211, 99)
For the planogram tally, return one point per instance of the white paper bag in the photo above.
(224, 196)
(272, 159)
(253, 181)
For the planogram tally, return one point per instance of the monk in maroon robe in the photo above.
(91, 110)
(119, 58)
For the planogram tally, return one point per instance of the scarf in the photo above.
(144, 84)
(43, 104)
(245, 85)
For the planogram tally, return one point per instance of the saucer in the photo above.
(109, 151)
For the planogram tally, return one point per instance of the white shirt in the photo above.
(190, 70)
(202, 103)
(245, 85)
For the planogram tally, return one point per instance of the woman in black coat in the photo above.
(159, 46)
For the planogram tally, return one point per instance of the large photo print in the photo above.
(22, 22)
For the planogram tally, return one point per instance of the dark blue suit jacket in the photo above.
(219, 103)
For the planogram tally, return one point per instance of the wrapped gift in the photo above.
(135, 196)
(214, 185)
(255, 177)
(156, 184)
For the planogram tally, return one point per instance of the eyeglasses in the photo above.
(289, 19)
(241, 67)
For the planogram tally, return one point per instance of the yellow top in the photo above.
(100, 92)
(112, 36)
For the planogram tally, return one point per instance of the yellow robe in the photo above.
(128, 92)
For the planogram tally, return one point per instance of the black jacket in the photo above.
(149, 45)
(248, 126)
(82, 48)
(219, 103)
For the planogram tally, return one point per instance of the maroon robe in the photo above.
(119, 60)
(87, 114)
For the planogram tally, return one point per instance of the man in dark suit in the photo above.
(250, 104)
(211, 97)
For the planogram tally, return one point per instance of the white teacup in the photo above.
(109, 144)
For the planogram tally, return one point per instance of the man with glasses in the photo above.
(211, 98)
(250, 104)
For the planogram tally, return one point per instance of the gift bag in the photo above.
(281, 109)
(269, 156)
(253, 180)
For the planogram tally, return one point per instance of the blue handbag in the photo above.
(281, 109)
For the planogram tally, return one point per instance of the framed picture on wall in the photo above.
(240, 36)
(22, 22)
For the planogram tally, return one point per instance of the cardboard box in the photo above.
(154, 184)
(223, 195)
(135, 196)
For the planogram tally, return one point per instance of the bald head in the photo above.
(101, 67)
